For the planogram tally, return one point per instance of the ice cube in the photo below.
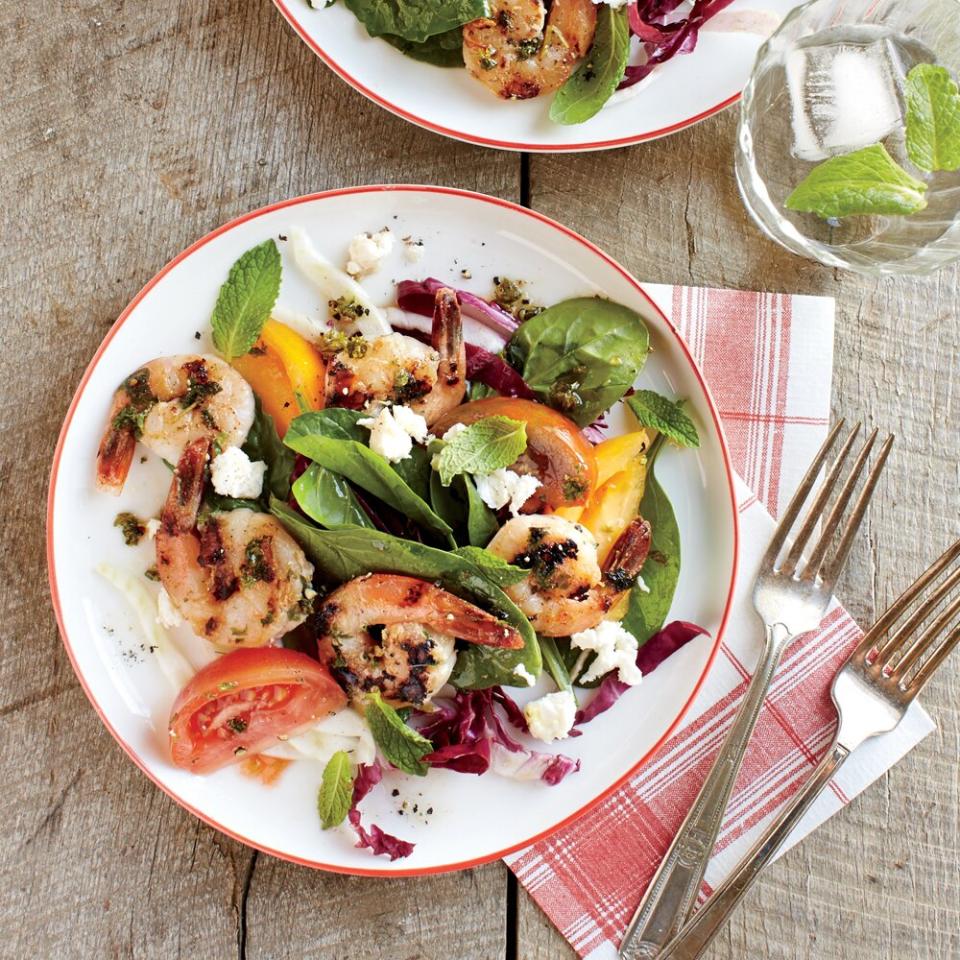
(843, 96)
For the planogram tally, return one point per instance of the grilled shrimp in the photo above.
(167, 403)
(567, 591)
(396, 634)
(521, 51)
(237, 577)
(430, 380)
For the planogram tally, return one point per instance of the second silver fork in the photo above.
(791, 599)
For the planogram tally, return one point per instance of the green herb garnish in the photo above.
(867, 181)
(933, 118)
(336, 790)
(665, 416)
(132, 528)
(400, 744)
(484, 446)
(246, 299)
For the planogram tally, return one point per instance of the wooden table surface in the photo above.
(130, 128)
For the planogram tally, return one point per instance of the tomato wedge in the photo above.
(563, 457)
(239, 704)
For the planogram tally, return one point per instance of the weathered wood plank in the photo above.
(882, 879)
(129, 129)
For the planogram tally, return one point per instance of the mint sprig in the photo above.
(400, 744)
(665, 416)
(336, 790)
(481, 448)
(246, 299)
(867, 181)
(933, 118)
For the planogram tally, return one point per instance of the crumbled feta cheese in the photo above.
(453, 431)
(616, 649)
(504, 486)
(522, 673)
(393, 430)
(412, 250)
(552, 716)
(613, 4)
(167, 614)
(641, 584)
(153, 525)
(234, 474)
(367, 250)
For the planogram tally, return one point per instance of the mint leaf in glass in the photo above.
(336, 790)
(481, 448)
(933, 118)
(867, 181)
(246, 300)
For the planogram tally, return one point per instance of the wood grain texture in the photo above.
(127, 130)
(881, 879)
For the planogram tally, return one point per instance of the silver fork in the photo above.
(872, 692)
(791, 600)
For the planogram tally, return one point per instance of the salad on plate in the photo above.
(580, 52)
(381, 518)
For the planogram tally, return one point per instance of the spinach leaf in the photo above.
(415, 471)
(264, 443)
(481, 520)
(647, 611)
(333, 439)
(336, 790)
(474, 574)
(217, 503)
(594, 81)
(415, 20)
(446, 503)
(443, 50)
(326, 497)
(580, 356)
(400, 744)
(555, 663)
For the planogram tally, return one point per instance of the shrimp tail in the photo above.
(447, 335)
(117, 447)
(183, 501)
(628, 555)
(472, 624)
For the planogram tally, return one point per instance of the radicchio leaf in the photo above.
(657, 649)
(493, 371)
(469, 736)
(374, 839)
(663, 40)
(418, 297)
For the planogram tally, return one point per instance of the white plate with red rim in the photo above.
(679, 93)
(474, 819)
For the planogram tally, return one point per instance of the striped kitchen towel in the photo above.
(769, 361)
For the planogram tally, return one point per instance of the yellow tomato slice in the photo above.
(614, 505)
(304, 366)
(265, 373)
(615, 454)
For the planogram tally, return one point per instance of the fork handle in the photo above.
(672, 893)
(698, 934)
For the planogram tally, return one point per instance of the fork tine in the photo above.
(836, 514)
(853, 524)
(928, 669)
(925, 641)
(898, 640)
(899, 606)
(799, 498)
(816, 509)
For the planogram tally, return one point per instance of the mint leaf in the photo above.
(592, 84)
(933, 118)
(863, 182)
(246, 299)
(336, 790)
(400, 744)
(665, 416)
(481, 448)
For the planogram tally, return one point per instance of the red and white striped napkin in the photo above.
(769, 361)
